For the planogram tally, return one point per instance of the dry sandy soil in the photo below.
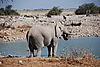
(48, 62)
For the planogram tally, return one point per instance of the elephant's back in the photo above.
(42, 28)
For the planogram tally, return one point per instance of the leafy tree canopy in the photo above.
(55, 11)
(88, 8)
(8, 11)
(2, 1)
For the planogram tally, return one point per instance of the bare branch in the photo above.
(2, 1)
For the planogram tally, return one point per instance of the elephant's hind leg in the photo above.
(31, 54)
(31, 50)
(54, 48)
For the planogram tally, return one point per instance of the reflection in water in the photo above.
(20, 48)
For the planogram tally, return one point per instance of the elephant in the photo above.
(45, 35)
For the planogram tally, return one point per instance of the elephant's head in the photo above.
(61, 32)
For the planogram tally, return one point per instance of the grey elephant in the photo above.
(41, 35)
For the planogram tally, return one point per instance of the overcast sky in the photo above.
(47, 4)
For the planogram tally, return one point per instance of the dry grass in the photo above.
(44, 12)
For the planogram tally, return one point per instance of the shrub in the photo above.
(98, 8)
(54, 11)
(8, 11)
(2, 11)
(11, 12)
(89, 8)
(75, 52)
(8, 7)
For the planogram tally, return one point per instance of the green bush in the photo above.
(55, 11)
(8, 7)
(2, 11)
(8, 11)
(89, 8)
(98, 8)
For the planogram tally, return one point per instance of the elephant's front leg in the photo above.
(54, 48)
(31, 54)
(39, 52)
(49, 51)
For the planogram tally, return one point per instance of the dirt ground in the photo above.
(48, 62)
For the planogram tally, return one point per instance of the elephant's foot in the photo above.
(56, 56)
(38, 56)
(39, 52)
(29, 56)
(49, 56)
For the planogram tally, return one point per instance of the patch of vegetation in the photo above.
(74, 52)
(54, 11)
(4, 26)
(89, 8)
(8, 11)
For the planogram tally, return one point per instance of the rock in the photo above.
(20, 62)
(0, 62)
(84, 26)
(10, 56)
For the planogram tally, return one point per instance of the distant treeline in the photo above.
(8, 11)
(87, 8)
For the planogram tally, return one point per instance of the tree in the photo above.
(2, 11)
(8, 7)
(98, 8)
(8, 11)
(89, 8)
(55, 11)
(2, 1)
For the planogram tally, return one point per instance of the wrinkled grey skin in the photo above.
(41, 35)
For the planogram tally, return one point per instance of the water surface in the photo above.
(20, 48)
